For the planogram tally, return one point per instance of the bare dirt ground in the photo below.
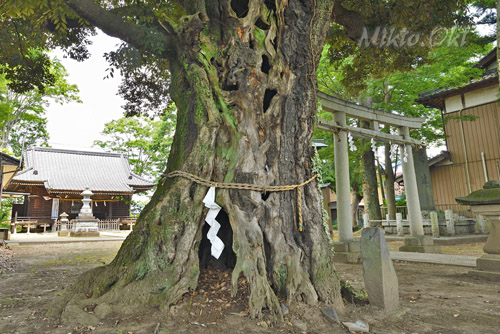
(472, 249)
(434, 299)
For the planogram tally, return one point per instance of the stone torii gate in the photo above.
(347, 250)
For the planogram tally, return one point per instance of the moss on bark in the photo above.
(223, 134)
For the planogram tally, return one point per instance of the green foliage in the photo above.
(146, 141)
(22, 115)
(405, 19)
(401, 201)
(24, 27)
(447, 67)
(396, 89)
(145, 80)
(485, 14)
(141, 59)
(5, 212)
(350, 294)
(396, 92)
(329, 81)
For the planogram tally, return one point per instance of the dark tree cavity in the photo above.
(268, 97)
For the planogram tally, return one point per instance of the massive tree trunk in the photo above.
(243, 79)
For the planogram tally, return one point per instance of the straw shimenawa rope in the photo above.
(246, 186)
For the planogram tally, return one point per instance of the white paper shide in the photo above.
(217, 244)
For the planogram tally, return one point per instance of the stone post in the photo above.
(366, 220)
(450, 222)
(423, 175)
(399, 224)
(346, 250)
(481, 225)
(411, 189)
(434, 224)
(343, 189)
(417, 242)
(379, 275)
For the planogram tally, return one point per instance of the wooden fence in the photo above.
(109, 224)
(117, 224)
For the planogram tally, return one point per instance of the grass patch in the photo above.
(76, 260)
(474, 249)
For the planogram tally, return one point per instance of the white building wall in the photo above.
(472, 99)
(453, 103)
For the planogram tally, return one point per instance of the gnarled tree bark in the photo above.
(243, 79)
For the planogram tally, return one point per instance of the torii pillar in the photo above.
(346, 250)
(417, 241)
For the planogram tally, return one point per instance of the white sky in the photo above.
(77, 125)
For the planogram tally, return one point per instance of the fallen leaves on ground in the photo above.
(212, 299)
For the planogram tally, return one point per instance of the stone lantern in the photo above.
(86, 225)
(486, 202)
(86, 210)
(63, 232)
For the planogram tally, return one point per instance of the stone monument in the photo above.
(85, 225)
(379, 275)
(63, 232)
(486, 202)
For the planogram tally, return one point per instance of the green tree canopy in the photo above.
(22, 115)
(449, 64)
(146, 141)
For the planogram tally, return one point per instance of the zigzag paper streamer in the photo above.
(405, 154)
(351, 142)
(217, 244)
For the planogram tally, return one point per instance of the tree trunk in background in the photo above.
(243, 79)
(380, 173)
(498, 36)
(370, 184)
(355, 199)
(390, 196)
